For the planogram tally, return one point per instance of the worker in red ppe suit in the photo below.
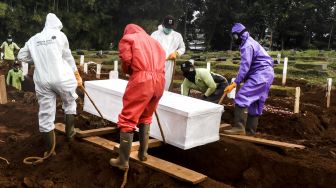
(144, 60)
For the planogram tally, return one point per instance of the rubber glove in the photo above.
(173, 55)
(78, 78)
(230, 87)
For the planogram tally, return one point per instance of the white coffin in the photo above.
(186, 122)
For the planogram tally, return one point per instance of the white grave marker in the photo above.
(81, 60)
(232, 94)
(284, 72)
(85, 68)
(329, 84)
(208, 66)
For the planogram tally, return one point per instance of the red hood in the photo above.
(132, 28)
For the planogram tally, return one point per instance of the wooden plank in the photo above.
(224, 126)
(263, 141)
(152, 143)
(96, 132)
(101, 142)
(98, 141)
(3, 92)
(60, 127)
(171, 169)
(166, 167)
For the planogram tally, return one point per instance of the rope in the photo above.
(125, 178)
(5, 160)
(38, 160)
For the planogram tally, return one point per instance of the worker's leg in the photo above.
(67, 92)
(248, 94)
(254, 111)
(47, 109)
(169, 70)
(146, 118)
(135, 101)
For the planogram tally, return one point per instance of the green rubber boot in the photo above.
(143, 139)
(124, 151)
(49, 140)
(251, 125)
(69, 126)
(239, 122)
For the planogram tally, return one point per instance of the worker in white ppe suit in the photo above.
(55, 74)
(172, 43)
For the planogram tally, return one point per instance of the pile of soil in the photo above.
(240, 164)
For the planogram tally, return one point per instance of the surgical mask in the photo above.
(167, 30)
(9, 40)
(190, 74)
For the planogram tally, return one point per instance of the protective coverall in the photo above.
(205, 83)
(256, 69)
(170, 43)
(9, 50)
(143, 59)
(54, 71)
(14, 78)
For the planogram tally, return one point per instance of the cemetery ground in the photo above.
(226, 162)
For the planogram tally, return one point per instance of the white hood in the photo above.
(52, 22)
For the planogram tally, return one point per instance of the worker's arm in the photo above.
(21, 75)
(125, 54)
(9, 77)
(16, 46)
(66, 54)
(181, 46)
(186, 85)
(245, 64)
(24, 54)
(2, 46)
(208, 80)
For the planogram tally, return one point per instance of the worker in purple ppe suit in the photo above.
(256, 71)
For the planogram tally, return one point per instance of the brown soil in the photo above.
(230, 162)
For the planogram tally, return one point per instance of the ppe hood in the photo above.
(52, 22)
(132, 28)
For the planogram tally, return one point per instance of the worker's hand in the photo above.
(230, 87)
(79, 79)
(173, 56)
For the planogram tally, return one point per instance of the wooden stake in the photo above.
(297, 100)
(85, 68)
(3, 92)
(284, 72)
(329, 83)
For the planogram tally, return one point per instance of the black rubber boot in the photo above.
(69, 126)
(239, 122)
(251, 125)
(49, 140)
(143, 139)
(124, 151)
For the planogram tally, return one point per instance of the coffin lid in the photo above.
(179, 104)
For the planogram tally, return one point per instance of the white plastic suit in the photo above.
(170, 43)
(54, 71)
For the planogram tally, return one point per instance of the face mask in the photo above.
(167, 31)
(190, 75)
(237, 37)
(9, 40)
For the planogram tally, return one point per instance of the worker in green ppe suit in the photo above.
(15, 77)
(9, 47)
(210, 84)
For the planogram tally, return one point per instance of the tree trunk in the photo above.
(330, 36)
